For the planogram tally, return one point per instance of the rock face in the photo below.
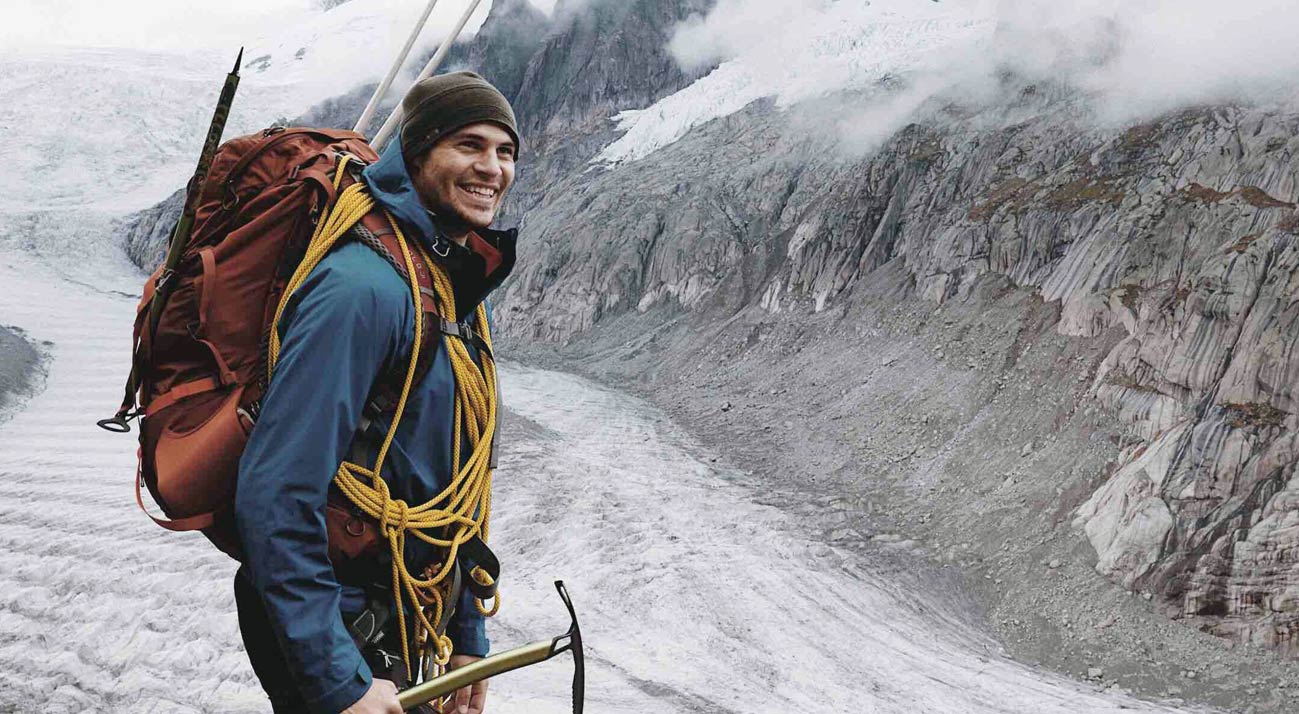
(505, 44)
(1182, 232)
(19, 369)
(149, 231)
(600, 58)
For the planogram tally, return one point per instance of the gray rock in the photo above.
(149, 231)
(1196, 260)
(20, 368)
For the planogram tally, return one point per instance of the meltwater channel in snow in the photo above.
(692, 597)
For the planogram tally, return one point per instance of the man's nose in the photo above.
(488, 164)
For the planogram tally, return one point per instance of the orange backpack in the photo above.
(197, 379)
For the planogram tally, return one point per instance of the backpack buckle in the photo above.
(352, 159)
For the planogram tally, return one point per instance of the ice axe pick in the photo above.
(508, 661)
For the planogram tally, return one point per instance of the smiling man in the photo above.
(320, 625)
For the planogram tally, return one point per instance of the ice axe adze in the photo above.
(507, 661)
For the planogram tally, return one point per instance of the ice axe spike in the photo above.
(508, 661)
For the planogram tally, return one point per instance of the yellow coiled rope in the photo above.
(463, 509)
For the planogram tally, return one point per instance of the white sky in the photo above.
(166, 25)
(143, 24)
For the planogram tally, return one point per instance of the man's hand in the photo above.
(381, 698)
(471, 699)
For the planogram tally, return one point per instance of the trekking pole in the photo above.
(508, 661)
(121, 421)
(370, 108)
(394, 119)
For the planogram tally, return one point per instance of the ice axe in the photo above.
(508, 661)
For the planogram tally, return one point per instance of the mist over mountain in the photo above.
(951, 270)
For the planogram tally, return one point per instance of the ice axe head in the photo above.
(572, 641)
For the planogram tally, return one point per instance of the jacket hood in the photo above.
(390, 184)
(392, 187)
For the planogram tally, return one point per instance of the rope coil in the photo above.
(463, 509)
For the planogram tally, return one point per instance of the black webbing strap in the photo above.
(474, 553)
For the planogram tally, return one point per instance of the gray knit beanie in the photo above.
(442, 104)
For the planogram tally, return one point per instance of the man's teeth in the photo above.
(484, 192)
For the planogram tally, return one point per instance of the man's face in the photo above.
(466, 174)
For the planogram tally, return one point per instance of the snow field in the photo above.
(793, 53)
(100, 610)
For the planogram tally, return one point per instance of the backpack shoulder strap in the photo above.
(374, 231)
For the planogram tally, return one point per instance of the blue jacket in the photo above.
(349, 323)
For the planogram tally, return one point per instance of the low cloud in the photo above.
(1145, 57)
(736, 28)
(1133, 59)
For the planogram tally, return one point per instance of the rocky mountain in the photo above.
(1076, 334)
(1182, 233)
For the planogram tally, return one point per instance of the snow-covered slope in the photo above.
(794, 53)
(329, 53)
(117, 129)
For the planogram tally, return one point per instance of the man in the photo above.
(443, 180)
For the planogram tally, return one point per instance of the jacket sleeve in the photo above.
(467, 629)
(337, 333)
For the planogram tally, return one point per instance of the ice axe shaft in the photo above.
(180, 235)
(476, 672)
(385, 132)
(373, 106)
(507, 661)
